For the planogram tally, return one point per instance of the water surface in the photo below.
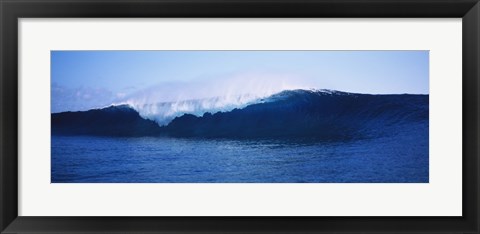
(85, 159)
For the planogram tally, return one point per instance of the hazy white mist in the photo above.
(164, 102)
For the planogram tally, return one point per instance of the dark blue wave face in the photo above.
(308, 114)
(116, 121)
(293, 136)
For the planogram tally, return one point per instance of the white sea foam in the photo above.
(164, 102)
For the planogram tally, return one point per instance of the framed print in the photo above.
(269, 116)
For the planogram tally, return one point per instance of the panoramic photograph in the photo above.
(239, 116)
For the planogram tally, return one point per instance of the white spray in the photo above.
(164, 102)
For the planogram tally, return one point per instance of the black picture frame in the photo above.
(12, 10)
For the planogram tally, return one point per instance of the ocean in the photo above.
(93, 159)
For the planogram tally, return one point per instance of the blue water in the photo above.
(392, 159)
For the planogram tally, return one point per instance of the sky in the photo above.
(82, 80)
